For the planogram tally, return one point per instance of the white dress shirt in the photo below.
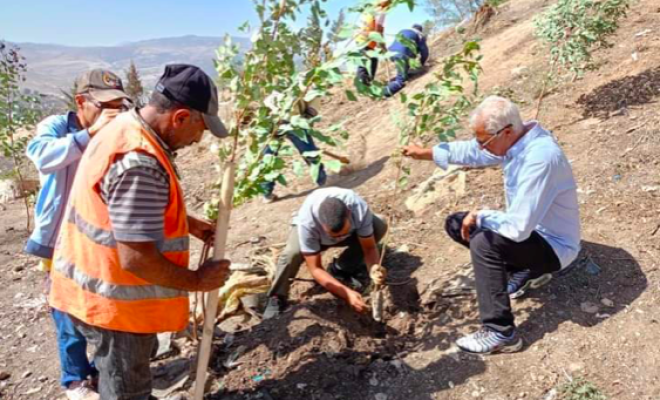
(541, 193)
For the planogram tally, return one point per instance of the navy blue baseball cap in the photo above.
(192, 87)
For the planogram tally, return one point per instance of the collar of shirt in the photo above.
(72, 122)
(534, 130)
(170, 154)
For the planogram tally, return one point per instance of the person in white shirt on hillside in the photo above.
(518, 249)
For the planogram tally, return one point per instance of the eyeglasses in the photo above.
(487, 142)
(104, 106)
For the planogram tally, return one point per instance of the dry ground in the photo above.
(608, 124)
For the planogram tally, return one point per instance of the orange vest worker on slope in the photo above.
(120, 266)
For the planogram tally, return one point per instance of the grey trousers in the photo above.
(122, 359)
(351, 260)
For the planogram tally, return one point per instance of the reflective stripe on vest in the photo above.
(115, 292)
(88, 281)
(107, 238)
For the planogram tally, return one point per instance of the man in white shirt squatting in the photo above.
(518, 249)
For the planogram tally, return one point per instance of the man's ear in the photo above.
(180, 116)
(79, 99)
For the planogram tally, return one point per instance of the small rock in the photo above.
(592, 268)
(19, 268)
(4, 375)
(518, 72)
(373, 381)
(607, 302)
(450, 384)
(301, 386)
(33, 390)
(398, 365)
(551, 395)
(575, 367)
(42, 378)
(403, 249)
(603, 315)
(26, 374)
(381, 396)
(589, 307)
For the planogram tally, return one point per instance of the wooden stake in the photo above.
(222, 226)
(343, 159)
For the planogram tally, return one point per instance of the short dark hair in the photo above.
(163, 104)
(333, 213)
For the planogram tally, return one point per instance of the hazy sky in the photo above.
(85, 22)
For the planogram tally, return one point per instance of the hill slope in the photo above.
(320, 350)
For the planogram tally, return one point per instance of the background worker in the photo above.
(371, 22)
(303, 142)
(120, 267)
(537, 234)
(409, 44)
(331, 217)
(56, 150)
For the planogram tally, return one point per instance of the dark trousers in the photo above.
(122, 359)
(494, 257)
(302, 146)
(351, 260)
(399, 81)
(367, 76)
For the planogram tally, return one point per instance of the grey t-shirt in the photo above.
(310, 231)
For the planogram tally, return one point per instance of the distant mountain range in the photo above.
(53, 67)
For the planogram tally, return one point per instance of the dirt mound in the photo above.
(621, 94)
(317, 347)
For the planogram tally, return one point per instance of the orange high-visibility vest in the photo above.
(371, 23)
(88, 281)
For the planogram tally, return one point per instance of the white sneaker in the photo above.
(81, 391)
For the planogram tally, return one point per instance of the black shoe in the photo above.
(349, 279)
(274, 307)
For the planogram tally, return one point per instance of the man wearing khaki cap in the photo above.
(56, 150)
(121, 265)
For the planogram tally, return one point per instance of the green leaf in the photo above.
(314, 171)
(350, 95)
(298, 168)
(333, 165)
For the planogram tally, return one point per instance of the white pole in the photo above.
(222, 226)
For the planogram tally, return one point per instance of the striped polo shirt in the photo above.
(136, 190)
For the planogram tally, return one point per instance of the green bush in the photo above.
(573, 28)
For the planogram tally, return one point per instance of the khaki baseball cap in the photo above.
(102, 85)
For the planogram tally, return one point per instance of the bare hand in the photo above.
(212, 275)
(378, 274)
(417, 152)
(106, 116)
(356, 301)
(202, 230)
(469, 221)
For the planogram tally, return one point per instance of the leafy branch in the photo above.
(17, 112)
(269, 92)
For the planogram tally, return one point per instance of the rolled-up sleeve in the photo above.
(465, 153)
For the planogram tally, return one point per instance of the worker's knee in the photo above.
(453, 225)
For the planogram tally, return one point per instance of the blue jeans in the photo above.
(72, 347)
(302, 147)
(402, 69)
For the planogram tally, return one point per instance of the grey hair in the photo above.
(495, 113)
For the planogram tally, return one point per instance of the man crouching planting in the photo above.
(331, 217)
